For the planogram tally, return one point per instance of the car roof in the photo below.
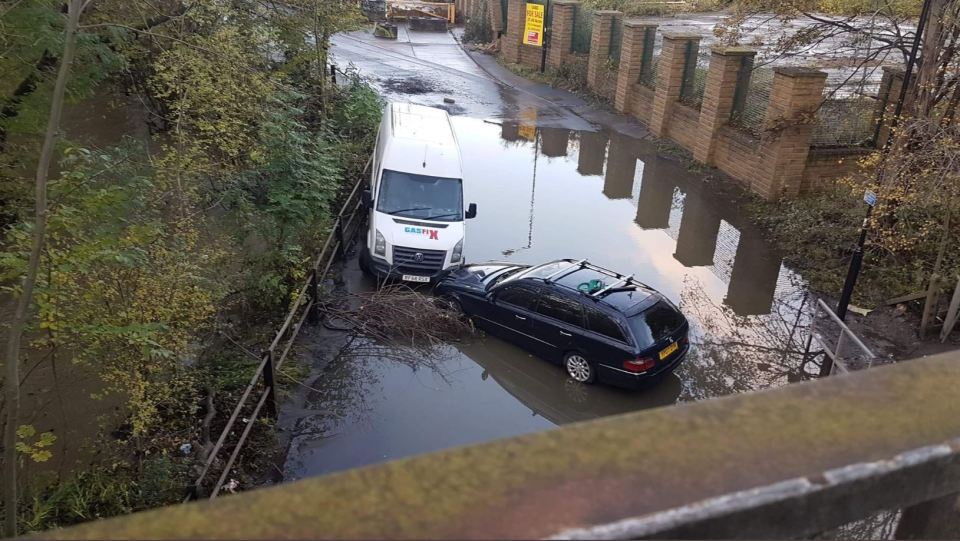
(628, 298)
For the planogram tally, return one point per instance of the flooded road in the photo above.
(546, 191)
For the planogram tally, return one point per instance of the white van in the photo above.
(415, 198)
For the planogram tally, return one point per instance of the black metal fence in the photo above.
(582, 29)
(262, 384)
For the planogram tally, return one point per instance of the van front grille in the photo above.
(405, 260)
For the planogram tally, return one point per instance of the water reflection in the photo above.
(545, 389)
(665, 197)
(368, 409)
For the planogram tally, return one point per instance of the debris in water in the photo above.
(449, 100)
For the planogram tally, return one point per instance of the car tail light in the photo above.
(640, 364)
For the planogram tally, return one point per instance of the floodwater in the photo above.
(545, 193)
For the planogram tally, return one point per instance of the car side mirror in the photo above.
(472, 211)
(366, 198)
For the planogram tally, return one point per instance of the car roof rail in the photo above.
(574, 265)
(618, 283)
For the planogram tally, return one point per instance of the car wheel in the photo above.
(449, 302)
(579, 368)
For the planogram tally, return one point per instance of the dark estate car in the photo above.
(599, 324)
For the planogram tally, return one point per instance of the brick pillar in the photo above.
(599, 45)
(718, 95)
(561, 32)
(794, 98)
(890, 87)
(631, 60)
(669, 78)
(510, 44)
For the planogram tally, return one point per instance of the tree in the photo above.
(12, 358)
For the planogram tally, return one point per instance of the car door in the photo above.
(509, 313)
(557, 326)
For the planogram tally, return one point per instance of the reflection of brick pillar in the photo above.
(599, 45)
(631, 60)
(753, 280)
(656, 198)
(699, 226)
(794, 99)
(510, 44)
(553, 142)
(621, 168)
(890, 87)
(669, 78)
(718, 95)
(593, 152)
(561, 32)
(510, 131)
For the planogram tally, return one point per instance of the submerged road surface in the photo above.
(551, 179)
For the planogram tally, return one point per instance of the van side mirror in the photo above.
(366, 198)
(472, 211)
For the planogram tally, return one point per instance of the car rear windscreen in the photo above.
(655, 324)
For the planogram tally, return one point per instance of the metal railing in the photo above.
(263, 382)
(838, 358)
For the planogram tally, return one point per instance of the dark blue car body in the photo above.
(629, 334)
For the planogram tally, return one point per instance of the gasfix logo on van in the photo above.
(433, 234)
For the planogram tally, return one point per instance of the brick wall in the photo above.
(530, 56)
(779, 164)
(641, 100)
(736, 154)
(825, 165)
(683, 125)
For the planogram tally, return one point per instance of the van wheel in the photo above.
(579, 368)
(364, 265)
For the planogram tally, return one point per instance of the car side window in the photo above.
(601, 323)
(519, 296)
(566, 310)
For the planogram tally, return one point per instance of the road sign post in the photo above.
(856, 262)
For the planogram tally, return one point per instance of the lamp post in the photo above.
(856, 262)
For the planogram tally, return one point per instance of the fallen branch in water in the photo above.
(396, 323)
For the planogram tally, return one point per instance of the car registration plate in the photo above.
(415, 278)
(665, 352)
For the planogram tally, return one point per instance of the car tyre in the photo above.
(449, 302)
(579, 368)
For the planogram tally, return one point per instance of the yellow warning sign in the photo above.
(533, 29)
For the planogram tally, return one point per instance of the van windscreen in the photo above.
(420, 196)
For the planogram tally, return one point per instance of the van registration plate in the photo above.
(665, 352)
(415, 278)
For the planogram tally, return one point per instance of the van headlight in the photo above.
(380, 246)
(457, 252)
